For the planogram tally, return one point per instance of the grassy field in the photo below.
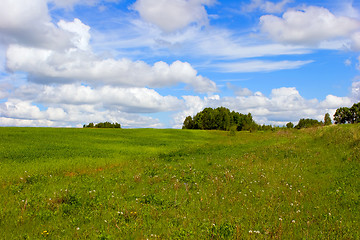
(179, 184)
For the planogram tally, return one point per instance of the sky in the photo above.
(147, 63)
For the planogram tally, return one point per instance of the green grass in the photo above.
(179, 184)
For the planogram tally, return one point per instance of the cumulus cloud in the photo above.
(81, 33)
(13, 122)
(333, 102)
(266, 6)
(130, 100)
(16, 112)
(29, 23)
(172, 15)
(48, 66)
(309, 25)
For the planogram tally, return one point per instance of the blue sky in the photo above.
(146, 63)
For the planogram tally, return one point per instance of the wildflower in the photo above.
(298, 211)
(78, 228)
(293, 221)
(250, 231)
(280, 219)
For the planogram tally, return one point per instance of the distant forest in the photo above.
(222, 118)
(103, 125)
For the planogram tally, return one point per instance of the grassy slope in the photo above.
(146, 183)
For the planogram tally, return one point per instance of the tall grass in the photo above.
(179, 184)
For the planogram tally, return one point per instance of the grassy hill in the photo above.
(179, 184)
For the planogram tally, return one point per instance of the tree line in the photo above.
(222, 118)
(103, 125)
(348, 115)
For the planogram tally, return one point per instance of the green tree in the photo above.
(188, 123)
(306, 123)
(221, 119)
(290, 125)
(327, 119)
(355, 113)
(103, 125)
(342, 115)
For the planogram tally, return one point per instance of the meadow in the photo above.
(179, 184)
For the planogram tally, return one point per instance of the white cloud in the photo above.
(347, 9)
(193, 105)
(81, 36)
(173, 15)
(13, 122)
(23, 113)
(130, 100)
(355, 41)
(28, 22)
(355, 91)
(259, 66)
(309, 25)
(48, 66)
(21, 110)
(239, 91)
(334, 102)
(266, 6)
